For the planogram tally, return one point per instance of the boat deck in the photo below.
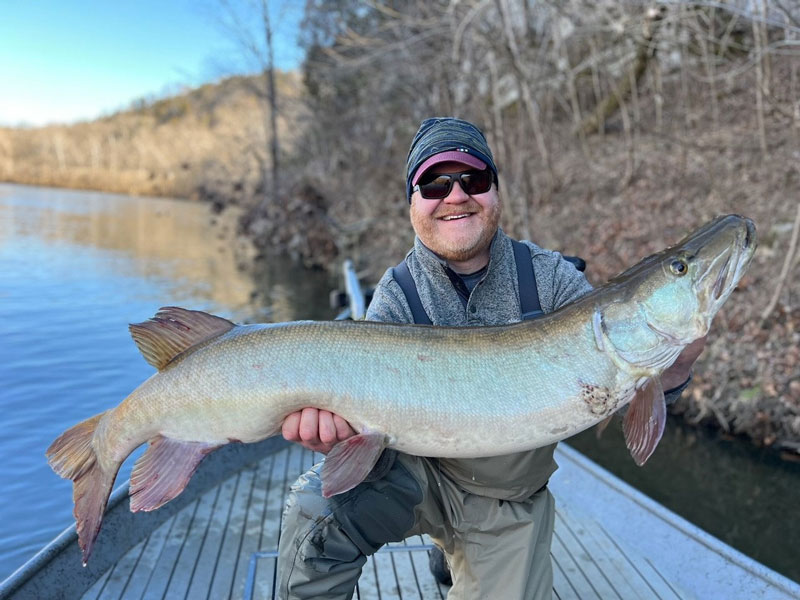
(223, 545)
(610, 542)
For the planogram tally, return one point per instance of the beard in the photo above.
(458, 246)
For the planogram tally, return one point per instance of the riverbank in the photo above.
(747, 382)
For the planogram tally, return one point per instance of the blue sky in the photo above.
(68, 60)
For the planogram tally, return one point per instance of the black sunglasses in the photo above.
(435, 186)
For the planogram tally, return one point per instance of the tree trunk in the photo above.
(271, 191)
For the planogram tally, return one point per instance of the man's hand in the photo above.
(678, 373)
(317, 430)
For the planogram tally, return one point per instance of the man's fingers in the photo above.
(317, 430)
(291, 427)
(309, 425)
(690, 354)
(343, 429)
(695, 349)
(327, 429)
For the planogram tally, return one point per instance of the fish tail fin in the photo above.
(72, 456)
(90, 494)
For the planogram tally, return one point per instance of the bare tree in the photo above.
(272, 103)
(530, 73)
(257, 46)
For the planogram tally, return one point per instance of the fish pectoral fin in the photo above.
(644, 422)
(175, 330)
(350, 461)
(163, 471)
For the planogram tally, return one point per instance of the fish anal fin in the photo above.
(645, 419)
(174, 330)
(163, 471)
(350, 461)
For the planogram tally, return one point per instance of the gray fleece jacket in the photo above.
(493, 301)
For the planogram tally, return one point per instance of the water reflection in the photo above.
(287, 297)
(160, 238)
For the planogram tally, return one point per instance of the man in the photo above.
(494, 516)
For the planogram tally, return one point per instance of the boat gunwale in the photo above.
(675, 522)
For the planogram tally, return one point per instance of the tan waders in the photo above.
(496, 549)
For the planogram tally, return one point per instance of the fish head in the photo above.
(696, 277)
(669, 299)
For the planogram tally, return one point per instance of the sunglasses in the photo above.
(435, 186)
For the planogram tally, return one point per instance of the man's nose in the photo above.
(457, 194)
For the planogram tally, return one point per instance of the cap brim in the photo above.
(450, 156)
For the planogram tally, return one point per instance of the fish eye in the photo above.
(679, 267)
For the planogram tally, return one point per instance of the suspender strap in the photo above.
(528, 294)
(403, 277)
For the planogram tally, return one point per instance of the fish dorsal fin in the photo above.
(174, 330)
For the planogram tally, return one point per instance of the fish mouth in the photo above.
(750, 234)
(722, 277)
(726, 266)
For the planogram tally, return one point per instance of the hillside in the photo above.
(205, 141)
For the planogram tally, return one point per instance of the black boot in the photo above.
(438, 565)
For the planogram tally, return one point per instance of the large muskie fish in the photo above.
(430, 391)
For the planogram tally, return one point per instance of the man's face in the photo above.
(460, 227)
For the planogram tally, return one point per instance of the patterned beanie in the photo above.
(450, 137)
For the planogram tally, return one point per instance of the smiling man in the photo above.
(493, 517)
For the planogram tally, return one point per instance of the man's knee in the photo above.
(381, 511)
(369, 515)
(325, 541)
(310, 531)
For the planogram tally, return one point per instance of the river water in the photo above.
(77, 267)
